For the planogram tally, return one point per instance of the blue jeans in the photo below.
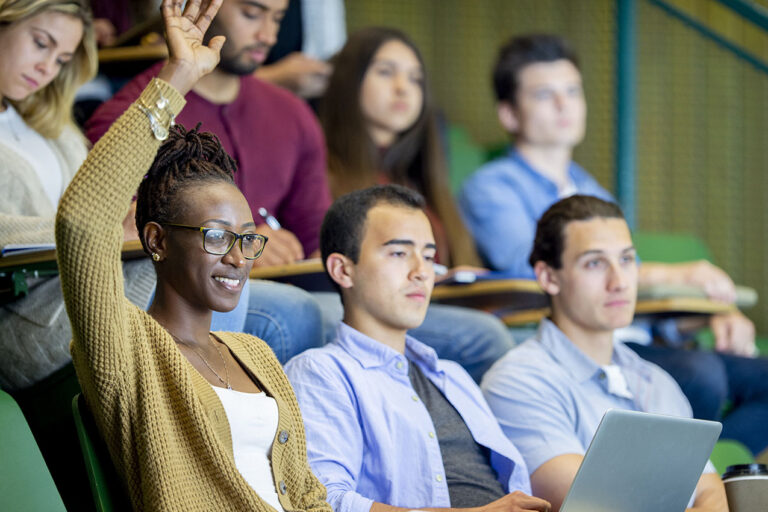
(286, 317)
(710, 380)
(472, 338)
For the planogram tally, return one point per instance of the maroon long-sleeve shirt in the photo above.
(272, 135)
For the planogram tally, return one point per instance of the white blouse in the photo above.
(253, 422)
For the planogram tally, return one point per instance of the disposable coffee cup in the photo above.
(746, 486)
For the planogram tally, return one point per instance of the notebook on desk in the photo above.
(638, 462)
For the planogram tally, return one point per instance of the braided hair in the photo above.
(186, 158)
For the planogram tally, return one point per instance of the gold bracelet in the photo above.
(160, 116)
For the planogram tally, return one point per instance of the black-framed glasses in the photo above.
(220, 241)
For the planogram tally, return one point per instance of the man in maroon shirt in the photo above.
(273, 136)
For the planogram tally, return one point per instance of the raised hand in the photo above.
(189, 59)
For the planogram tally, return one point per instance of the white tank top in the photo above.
(253, 422)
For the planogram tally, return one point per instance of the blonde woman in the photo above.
(47, 52)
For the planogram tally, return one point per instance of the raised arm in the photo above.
(88, 222)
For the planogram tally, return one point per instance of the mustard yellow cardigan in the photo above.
(166, 429)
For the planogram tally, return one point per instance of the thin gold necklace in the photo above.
(200, 355)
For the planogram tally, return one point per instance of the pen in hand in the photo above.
(271, 221)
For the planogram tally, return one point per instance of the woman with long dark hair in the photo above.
(380, 126)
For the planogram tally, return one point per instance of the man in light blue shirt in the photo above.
(388, 423)
(551, 392)
(541, 103)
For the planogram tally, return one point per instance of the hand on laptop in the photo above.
(517, 501)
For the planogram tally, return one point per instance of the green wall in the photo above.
(702, 133)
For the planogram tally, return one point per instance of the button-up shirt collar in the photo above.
(357, 389)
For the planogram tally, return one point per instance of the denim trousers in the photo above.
(714, 382)
(292, 320)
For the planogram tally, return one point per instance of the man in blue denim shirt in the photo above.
(541, 104)
(388, 423)
(551, 392)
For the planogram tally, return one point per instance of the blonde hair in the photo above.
(49, 110)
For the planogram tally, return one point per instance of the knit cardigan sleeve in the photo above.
(89, 236)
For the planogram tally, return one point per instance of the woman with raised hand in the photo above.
(47, 51)
(193, 420)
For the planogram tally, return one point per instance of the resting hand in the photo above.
(305, 76)
(105, 32)
(188, 58)
(712, 279)
(517, 501)
(282, 248)
(734, 334)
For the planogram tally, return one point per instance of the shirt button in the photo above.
(283, 437)
(399, 365)
(431, 435)
(283, 487)
(415, 398)
(439, 478)
(601, 376)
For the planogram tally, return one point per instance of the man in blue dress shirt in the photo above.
(551, 392)
(389, 425)
(541, 104)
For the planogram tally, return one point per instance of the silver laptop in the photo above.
(639, 462)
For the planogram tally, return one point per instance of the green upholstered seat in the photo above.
(25, 482)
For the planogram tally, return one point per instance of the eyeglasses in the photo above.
(220, 241)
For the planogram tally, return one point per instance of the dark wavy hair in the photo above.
(185, 159)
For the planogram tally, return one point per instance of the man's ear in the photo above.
(341, 269)
(547, 278)
(507, 117)
(154, 239)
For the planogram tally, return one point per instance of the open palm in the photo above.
(184, 35)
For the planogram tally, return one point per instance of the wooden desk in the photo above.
(515, 301)
(492, 295)
(133, 53)
(131, 250)
(676, 306)
(308, 275)
(17, 268)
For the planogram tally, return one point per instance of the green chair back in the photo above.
(728, 452)
(670, 247)
(464, 156)
(108, 492)
(25, 482)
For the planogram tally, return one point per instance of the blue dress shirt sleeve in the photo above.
(334, 436)
(499, 221)
(532, 413)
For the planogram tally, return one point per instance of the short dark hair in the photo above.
(549, 242)
(522, 51)
(344, 222)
